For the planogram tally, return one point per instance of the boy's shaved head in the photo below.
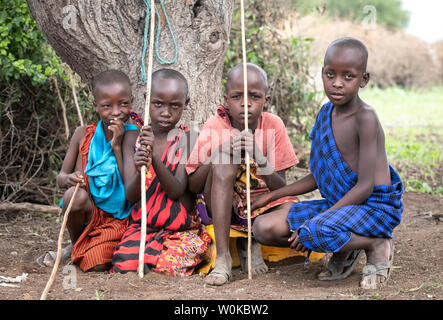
(351, 43)
(171, 74)
(251, 67)
(109, 77)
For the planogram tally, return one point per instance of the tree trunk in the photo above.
(95, 35)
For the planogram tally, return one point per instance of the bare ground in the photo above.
(418, 272)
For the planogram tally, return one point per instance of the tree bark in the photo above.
(95, 35)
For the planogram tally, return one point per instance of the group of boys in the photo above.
(361, 192)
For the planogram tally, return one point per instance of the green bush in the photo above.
(32, 132)
(389, 12)
(23, 50)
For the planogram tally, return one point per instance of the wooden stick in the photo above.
(79, 113)
(62, 103)
(245, 98)
(59, 246)
(141, 253)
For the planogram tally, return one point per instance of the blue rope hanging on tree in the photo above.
(157, 36)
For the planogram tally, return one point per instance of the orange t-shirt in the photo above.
(270, 136)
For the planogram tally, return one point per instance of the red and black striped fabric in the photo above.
(175, 239)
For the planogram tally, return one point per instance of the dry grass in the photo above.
(437, 48)
(395, 58)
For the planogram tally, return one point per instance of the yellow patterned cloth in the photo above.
(271, 254)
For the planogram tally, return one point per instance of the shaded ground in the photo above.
(418, 272)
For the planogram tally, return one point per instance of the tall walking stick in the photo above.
(245, 101)
(59, 246)
(141, 253)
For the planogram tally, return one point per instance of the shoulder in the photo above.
(80, 130)
(216, 123)
(185, 139)
(79, 133)
(131, 136)
(212, 121)
(324, 113)
(366, 121)
(271, 120)
(325, 110)
(367, 115)
(271, 117)
(182, 132)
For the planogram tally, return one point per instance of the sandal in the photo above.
(42, 262)
(66, 255)
(347, 265)
(218, 278)
(371, 271)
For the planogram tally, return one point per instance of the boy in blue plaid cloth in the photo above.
(362, 192)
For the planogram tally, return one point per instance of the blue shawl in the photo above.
(105, 183)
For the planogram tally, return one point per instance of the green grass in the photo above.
(413, 125)
(400, 107)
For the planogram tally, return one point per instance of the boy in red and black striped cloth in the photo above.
(176, 241)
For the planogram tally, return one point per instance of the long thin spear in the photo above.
(141, 253)
(245, 98)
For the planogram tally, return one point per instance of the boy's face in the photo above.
(168, 100)
(343, 74)
(234, 99)
(113, 101)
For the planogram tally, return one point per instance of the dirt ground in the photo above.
(417, 274)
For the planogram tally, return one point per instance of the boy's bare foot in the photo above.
(340, 265)
(49, 257)
(379, 264)
(222, 272)
(258, 265)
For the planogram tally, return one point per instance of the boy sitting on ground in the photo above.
(176, 241)
(362, 192)
(218, 173)
(94, 159)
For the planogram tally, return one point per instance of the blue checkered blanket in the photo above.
(329, 231)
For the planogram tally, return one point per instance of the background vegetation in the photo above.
(286, 38)
(389, 12)
(412, 121)
(33, 137)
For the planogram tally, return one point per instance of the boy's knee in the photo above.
(320, 234)
(320, 226)
(262, 231)
(224, 173)
(81, 198)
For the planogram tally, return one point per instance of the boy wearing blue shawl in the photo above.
(94, 159)
(362, 192)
